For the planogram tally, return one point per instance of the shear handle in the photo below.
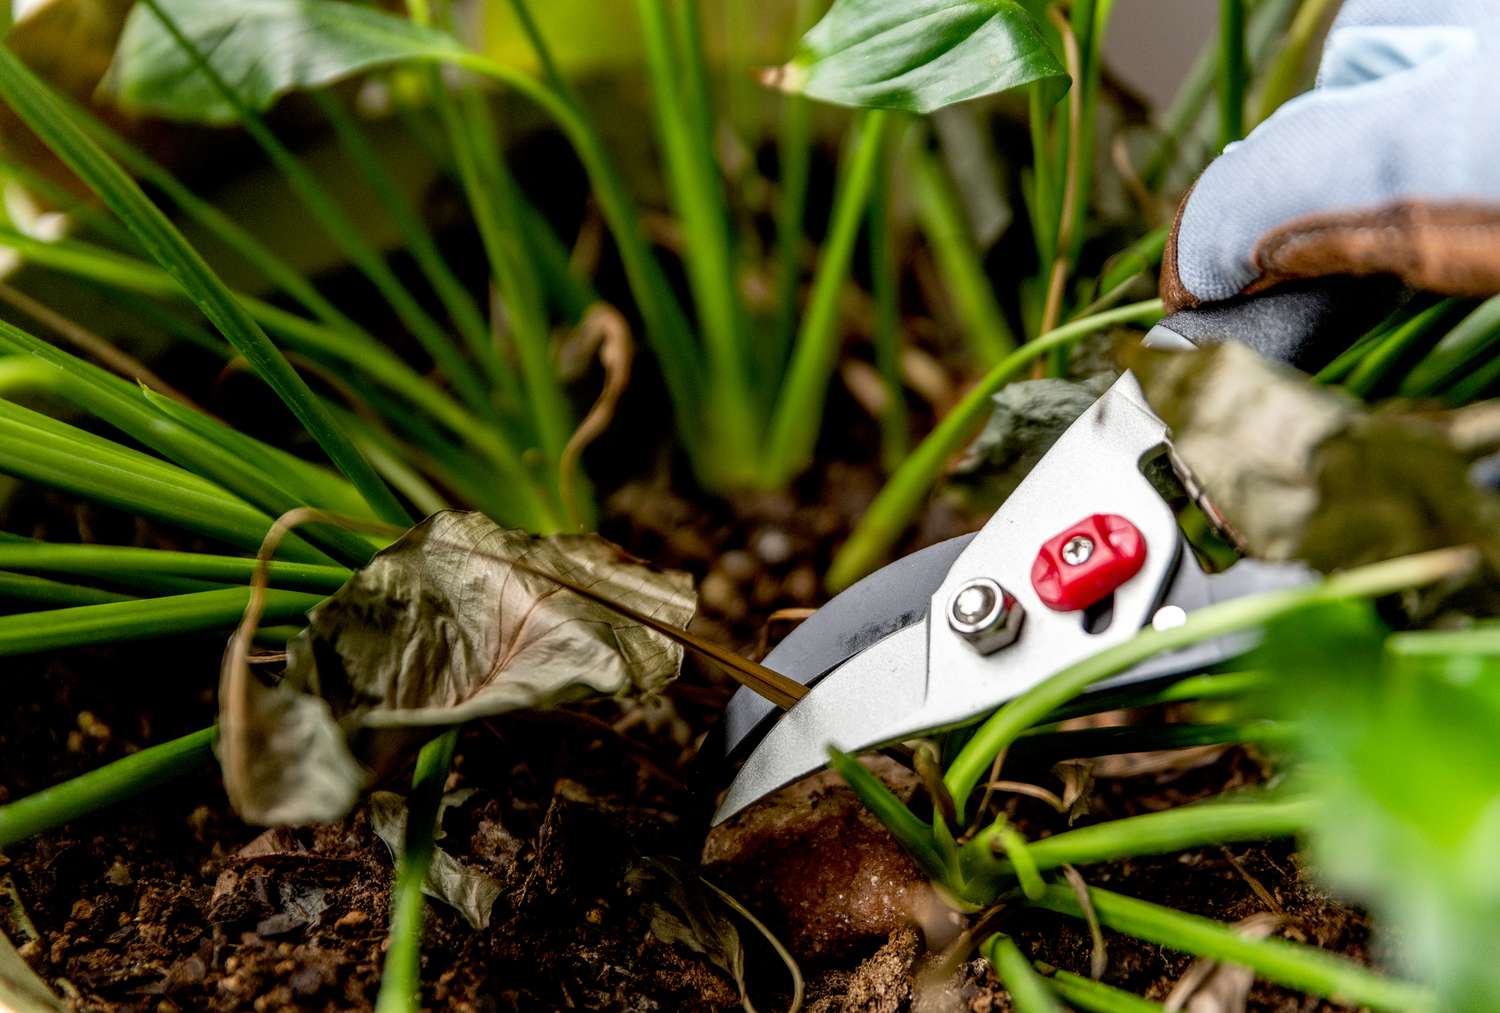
(1306, 324)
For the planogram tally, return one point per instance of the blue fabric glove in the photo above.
(1391, 165)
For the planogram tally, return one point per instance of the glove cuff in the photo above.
(1451, 248)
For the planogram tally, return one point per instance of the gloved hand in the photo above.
(1390, 166)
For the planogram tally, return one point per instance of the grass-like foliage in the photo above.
(461, 401)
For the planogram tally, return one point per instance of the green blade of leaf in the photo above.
(1028, 990)
(41, 449)
(204, 52)
(123, 564)
(263, 48)
(1190, 826)
(41, 591)
(114, 782)
(918, 56)
(349, 38)
(35, 104)
(181, 434)
(1305, 967)
(418, 240)
(309, 484)
(913, 834)
(1461, 349)
(319, 341)
(146, 619)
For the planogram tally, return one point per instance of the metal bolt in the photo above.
(1078, 550)
(986, 615)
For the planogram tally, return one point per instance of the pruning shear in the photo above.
(1083, 555)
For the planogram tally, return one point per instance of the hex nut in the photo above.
(986, 615)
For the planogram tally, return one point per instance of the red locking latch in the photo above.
(1084, 564)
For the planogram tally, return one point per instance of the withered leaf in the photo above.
(469, 892)
(1027, 418)
(1302, 472)
(21, 989)
(683, 911)
(456, 620)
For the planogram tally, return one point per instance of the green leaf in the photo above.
(918, 55)
(452, 622)
(1399, 738)
(263, 48)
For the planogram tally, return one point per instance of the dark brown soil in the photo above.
(171, 903)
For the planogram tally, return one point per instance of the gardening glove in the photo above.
(1391, 166)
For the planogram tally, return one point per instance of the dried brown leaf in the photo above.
(1211, 987)
(1077, 777)
(454, 621)
(1302, 472)
(469, 892)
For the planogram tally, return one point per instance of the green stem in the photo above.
(893, 509)
(197, 446)
(1459, 352)
(1184, 121)
(795, 423)
(666, 327)
(34, 103)
(1379, 362)
(433, 338)
(1285, 75)
(679, 93)
(124, 563)
(1191, 826)
(495, 198)
(320, 341)
(895, 434)
(41, 449)
(1302, 967)
(39, 591)
(794, 145)
(1044, 743)
(145, 619)
(115, 782)
(272, 266)
(401, 977)
(1234, 71)
(909, 831)
(1033, 706)
(1028, 990)
(419, 241)
(982, 322)
(1097, 997)
(1193, 689)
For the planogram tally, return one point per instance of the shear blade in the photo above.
(878, 691)
(882, 691)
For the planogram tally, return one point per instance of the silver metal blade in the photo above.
(890, 599)
(871, 700)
